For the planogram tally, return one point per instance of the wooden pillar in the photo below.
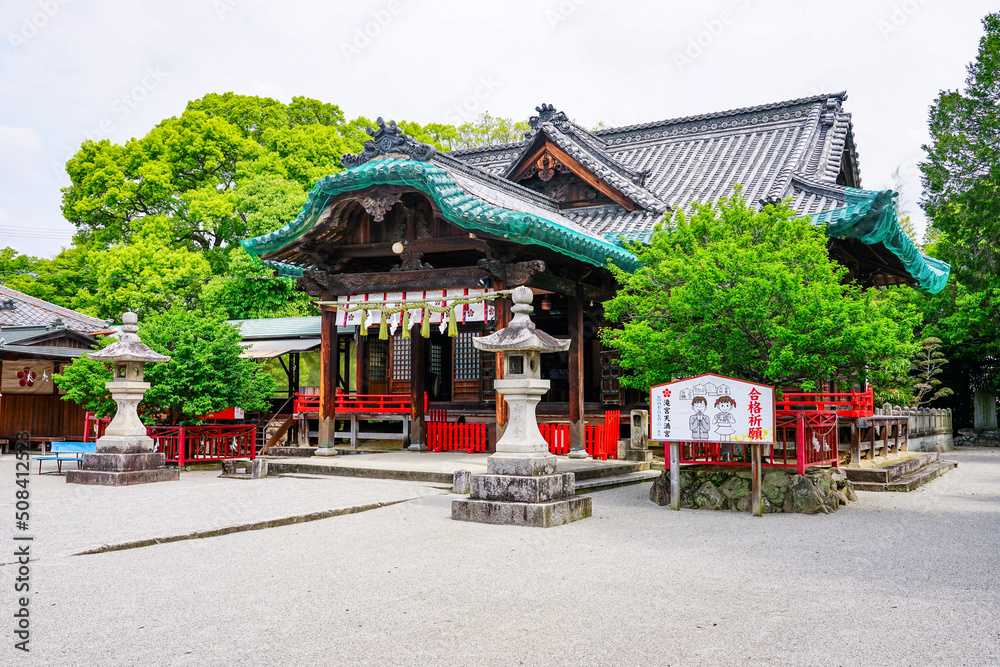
(418, 368)
(675, 475)
(576, 408)
(756, 505)
(502, 309)
(327, 382)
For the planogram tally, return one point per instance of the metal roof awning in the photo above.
(268, 349)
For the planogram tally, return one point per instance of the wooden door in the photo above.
(378, 366)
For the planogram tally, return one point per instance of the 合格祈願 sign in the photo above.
(711, 408)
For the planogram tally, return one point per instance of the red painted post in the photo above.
(180, 448)
(800, 444)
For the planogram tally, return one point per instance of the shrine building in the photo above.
(432, 236)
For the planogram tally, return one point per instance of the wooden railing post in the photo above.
(800, 444)
(180, 447)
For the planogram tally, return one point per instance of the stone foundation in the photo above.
(822, 490)
(978, 437)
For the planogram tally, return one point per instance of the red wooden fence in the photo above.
(802, 439)
(846, 404)
(366, 403)
(444, 436)
(186, 444)
(599, 440)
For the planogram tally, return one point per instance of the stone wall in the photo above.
(820, 490)
(978, 437)
(929, 428)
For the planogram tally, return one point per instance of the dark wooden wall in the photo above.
(40, 416)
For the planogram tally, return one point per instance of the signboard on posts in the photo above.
(711, 408)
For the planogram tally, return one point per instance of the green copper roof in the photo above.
(457, 206)
(871, 217)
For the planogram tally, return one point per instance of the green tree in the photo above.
(927, 364)
(145, 275)
(204, 374)
(961, 178)
(84, 380)
(754, 295)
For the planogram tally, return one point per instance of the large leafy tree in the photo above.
(961, 178)
(754, 294)
(228, 168)
(204, 374)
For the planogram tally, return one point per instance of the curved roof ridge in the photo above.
(487, 147)
(842, 95)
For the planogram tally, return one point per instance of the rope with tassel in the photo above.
(405, 306)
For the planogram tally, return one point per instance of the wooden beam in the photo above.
(440, 244)
(402, 281)
(567, 287)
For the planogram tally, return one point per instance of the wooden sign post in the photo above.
(713, 409)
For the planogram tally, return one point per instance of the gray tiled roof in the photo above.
(785, 149)
(31, 311)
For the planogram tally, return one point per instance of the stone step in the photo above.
(613, 468)
(891, 472)
(611, 481)
(910, 482)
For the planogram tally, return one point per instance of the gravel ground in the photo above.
(68, 518)
(894, 579)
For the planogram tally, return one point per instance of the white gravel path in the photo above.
(68, 518)
(894, 579)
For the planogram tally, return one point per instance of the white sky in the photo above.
(72, 69)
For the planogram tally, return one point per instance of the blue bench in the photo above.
(59, 449)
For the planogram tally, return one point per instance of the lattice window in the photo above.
(467, 363)
(487, 364)
(611, 390)
(400, 358)
(435, 360)
(378, 359)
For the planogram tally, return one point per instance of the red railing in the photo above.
(367, 403)
(445, 436)
(94, 426)
(802, 439)
(847, 404)
(186, 444)
(599, 440)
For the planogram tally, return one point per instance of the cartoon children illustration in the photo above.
(725, 419)
(699, 422)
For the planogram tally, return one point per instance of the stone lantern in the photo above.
(521, 485)
(125, 453)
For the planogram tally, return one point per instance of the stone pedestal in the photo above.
(123, 460)
(125, 453)
(521, 486)
(523, 500)
(638, 443)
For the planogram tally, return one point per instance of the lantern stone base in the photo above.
(122, 461)
(540, 500)
(122, 478)
(539, 515)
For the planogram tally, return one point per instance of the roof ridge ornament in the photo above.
(547, 113)
(388, 140)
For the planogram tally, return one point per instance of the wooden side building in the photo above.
(37, 339)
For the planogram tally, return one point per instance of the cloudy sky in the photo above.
(77, 69)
